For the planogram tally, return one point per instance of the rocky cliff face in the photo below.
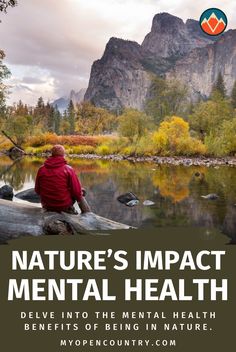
(77, 97)
(170, 37)
(63, 102)
(200, 68)
(119, 78)
(122, 77)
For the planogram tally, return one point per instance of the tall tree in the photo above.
(167, 97)
(233, 96)
(64, 125)
(21, 109)
(134, 124)
(57, 120)
(4, 4)
(219, 86)
(71, 117)
(53, 116)
(4, 73)
(93, 120)
(39, 112)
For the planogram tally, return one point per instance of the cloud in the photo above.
(33, 80)
(57, 41)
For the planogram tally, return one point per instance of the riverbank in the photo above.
(177, 160)
(196, 161)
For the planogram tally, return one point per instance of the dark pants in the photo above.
(69, 210)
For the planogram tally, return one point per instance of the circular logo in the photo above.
(213, 21)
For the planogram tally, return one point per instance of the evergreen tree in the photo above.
(53, 120)
(4, 73)
(57, 120)
(39, 111)
(64, 125)
(49, 118)
(21, 109)
(219, 86)
(166, 98)
(233, 96)
(71, 117)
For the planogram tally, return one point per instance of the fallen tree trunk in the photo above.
(11, 140)
(17, 219)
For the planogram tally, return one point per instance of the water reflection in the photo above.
(176, 191)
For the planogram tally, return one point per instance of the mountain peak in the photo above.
(63, 102)
(166, 21)
(170, 37)
(122, 77)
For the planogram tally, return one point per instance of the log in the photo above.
(11, 140)
(17, 220)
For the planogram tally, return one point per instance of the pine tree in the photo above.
(233, 96)
(57, 120)
(219, 86)
(39, 111)
(21, 109)
(71, 117)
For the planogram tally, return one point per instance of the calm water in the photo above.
(176, 191)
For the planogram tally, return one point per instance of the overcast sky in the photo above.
(51, 44)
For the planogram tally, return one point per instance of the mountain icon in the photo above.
(213, 25)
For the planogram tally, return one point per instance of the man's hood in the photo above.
(54, 162)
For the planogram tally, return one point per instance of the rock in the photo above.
(15, 153)
(129, 199)
(6, 192)
(211, 196)
(148, 203)
(29, 195)
(132, 203)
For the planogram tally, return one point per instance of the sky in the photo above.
(50, 45)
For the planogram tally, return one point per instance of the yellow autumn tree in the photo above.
(173, 182)
(173, 138)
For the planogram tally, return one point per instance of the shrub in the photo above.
(39, 150)
(173, 138)
(223, 141)
(80, 149)
(129, 150)
(103, 150)
(73, 140)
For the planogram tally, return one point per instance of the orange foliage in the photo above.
(51, 138)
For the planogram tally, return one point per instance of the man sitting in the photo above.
(58, 186)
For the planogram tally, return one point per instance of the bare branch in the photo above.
(4, 4)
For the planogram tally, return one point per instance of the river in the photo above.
(175, 190)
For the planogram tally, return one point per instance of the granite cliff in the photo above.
(122, 77)
(200, 68)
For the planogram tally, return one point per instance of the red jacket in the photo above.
(57, 184)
